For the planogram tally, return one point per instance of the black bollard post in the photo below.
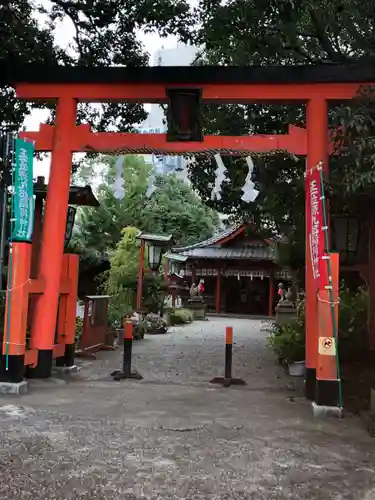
(228, 352)
(228, 380)
(126, 371)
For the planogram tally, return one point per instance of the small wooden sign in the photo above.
(71, 215)
(327, 346)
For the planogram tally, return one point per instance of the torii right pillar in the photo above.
(317, 151)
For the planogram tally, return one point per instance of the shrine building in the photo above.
(239, 270)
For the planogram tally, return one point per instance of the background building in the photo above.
(181, 55)
(239, 270)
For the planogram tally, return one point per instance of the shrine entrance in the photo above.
(247, 296)
(185, 90)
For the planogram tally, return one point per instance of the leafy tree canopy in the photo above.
(121, 280)
(270, 32)
(173, 208)
(104, 33)
(263, 32)
(242, 32)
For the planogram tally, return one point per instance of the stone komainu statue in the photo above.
(194, 290)
(197, 290)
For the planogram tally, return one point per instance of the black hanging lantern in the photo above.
(156, 246)
(184, 115)
(155, 253)
(346, 237)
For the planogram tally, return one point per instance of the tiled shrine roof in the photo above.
(212, 248)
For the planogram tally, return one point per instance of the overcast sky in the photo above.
(64, 36)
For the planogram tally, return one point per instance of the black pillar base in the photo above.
(16, 369)
(310, 384)
(68, 358)
(43, 368)
(327, 393)
(120, 375)
(227, 382)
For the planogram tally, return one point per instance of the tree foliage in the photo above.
(269, 32)
(262, 32)
(122, 278)
(242, 32)
(353, 168)
(99, 229)
(22, 41)
(104, 34)
(173, 208)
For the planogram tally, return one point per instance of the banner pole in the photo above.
(330, 284)
(10, 260)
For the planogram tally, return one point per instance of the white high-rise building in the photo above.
(181, 55)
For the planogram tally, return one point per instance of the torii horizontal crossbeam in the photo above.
(84, 140)
(211, 93)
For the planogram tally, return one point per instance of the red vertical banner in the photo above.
(315, 227)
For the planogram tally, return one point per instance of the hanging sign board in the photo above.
(315, 223)
(69, 224)
(23, 201)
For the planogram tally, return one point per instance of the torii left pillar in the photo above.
(53, 235)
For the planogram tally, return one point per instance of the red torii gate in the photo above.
(313, 85)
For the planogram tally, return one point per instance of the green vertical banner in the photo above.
(23, 202)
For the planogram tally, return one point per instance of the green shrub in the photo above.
(353, 323)
(179, 316)
(288, 341)
(121, 280)
(79, 328)
(152, 323)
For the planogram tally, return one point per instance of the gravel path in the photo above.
(194, 354)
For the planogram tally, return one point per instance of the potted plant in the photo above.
(288, 342)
